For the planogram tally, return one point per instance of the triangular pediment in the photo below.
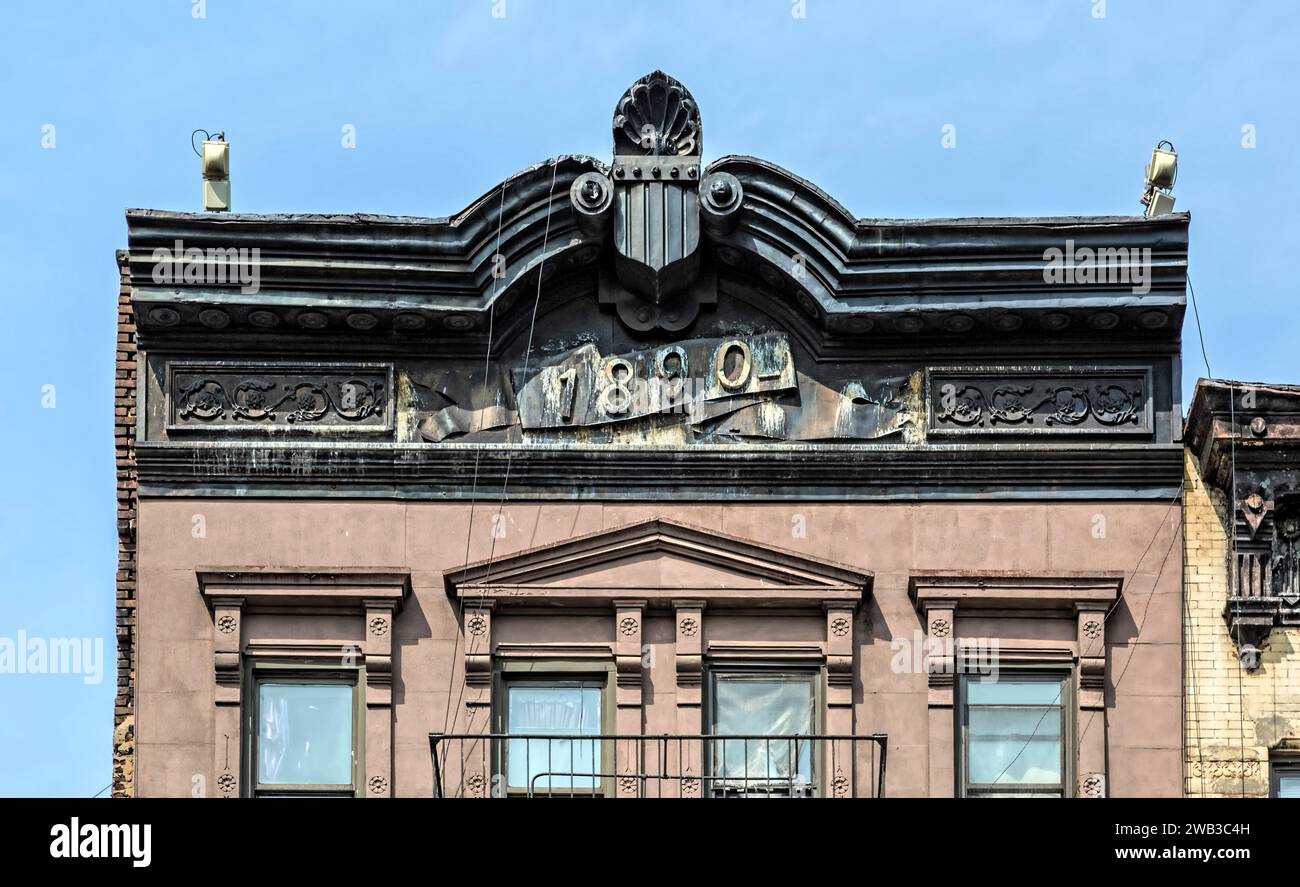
(659, 560)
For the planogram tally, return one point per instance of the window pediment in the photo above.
(658, 561)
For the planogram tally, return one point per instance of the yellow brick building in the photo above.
(1241, 630)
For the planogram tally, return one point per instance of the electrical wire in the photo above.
(1197, 314)
(473, 495)
(1234, 572)
(505, 484)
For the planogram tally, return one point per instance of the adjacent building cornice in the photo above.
(1245, 437)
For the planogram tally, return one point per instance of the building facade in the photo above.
(551, 495)
(1243, 590)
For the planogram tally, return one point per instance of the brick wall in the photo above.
(124, 446)
(1233, 716)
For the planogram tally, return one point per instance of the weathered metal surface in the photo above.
(454, 421)
(582, 471)
(557, 315)
(707, 390)
(656, 175)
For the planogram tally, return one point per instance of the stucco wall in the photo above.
(1143, 687)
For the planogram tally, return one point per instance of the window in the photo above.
(761, 709)
(1284, 779)
(1014, 736)
(305, 736)
(539, 715)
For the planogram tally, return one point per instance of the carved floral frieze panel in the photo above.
(1038, 400)
(283, 396)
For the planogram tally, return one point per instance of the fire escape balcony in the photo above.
(500, 765)
(1265, 594)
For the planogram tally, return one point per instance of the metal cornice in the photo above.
(854, 265)
(753, 473)
(855, 272)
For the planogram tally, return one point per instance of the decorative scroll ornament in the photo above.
(1116, 405)
(1233, 770)
(964, 406)
(201, 400)
(1036, 403)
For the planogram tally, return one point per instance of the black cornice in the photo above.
(751, 473)
(863, 267)
(885, 276)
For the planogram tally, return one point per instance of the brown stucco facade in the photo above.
(638, 429)
(1137, 723)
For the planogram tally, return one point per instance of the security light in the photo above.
(1162, 171)
(216, 174)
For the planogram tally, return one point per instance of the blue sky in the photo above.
(1055, 109)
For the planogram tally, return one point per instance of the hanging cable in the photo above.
(473, 494)
(1199, 332)
(1234, 572)
(555, 169)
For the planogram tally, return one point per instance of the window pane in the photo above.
(305, 734)
(766, 707)
(1288, 786)
(1004, 692)
(1014, 745)
(541, 763)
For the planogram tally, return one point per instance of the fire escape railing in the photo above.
(498, 765)
(1253, 574)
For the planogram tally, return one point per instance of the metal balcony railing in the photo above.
(499, 765)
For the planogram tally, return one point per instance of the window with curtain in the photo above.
(305, 736)
(1013, 741)
(539, 717)
(768, 713)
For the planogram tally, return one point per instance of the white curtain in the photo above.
(553, 763)
(769, 708)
